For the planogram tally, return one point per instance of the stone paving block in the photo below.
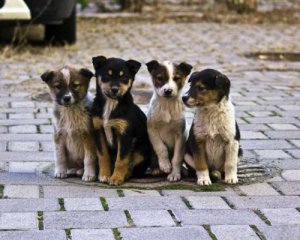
(283, 126)
(84, 220)
(218, 217)
(22, 129)
(33, 235)
(186, 193)
(254, 127)
(23, 122)
(294, 153)
(288, 188)
(296, 142)
(291, 232)
(258, 189)
(253, 135)
(264, 201)
(26, 137)
(77, 192)
(291, 175)
(28, 205)
(283, 164)
(265, 144)
(290, 107)
(44, 115)
(146, 203)
(3, 129)
(272, 154)
(21, 191)
(83, 204)
(152, 218)
(164, 233)
(139, 192)
(261, 113)
(21, 116)
(27, 156)
(3, 146)
(46, 129)
(207, 202)
(20, 221)
(48, 146)
(24, 167)
(26, 104)
(283, 134)
(271, 120)
(282, 216)
(19, 146)
(228, 232)
(92, 234)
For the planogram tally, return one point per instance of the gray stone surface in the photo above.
(21, 221)
(229, 232)
(77, 192)
(258, 189)
(33, 235)
(291, 232)
(92, 234)
(272, 154)
(265, 202)
(84, 219)
(82, 204)
(174, 233)
(282, 216)
(186, 193)
(151, 218)
(146, 203)
(291, 175)
(138, 192)
(23, 146)
(21, 191)
(207, 202)
(288, 188)
(218, 217)
(28, 205)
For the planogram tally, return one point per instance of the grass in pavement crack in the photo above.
(117, 234)
(40, 220)
(129, 219)
(211, 234)
(104, 203)
(61, 204)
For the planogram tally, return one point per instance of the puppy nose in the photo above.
(67, 98)
(185, 98)
(114, 90)
(168, 92)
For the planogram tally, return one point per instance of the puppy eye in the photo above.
(201, 89)
(57, 87)
(159, 78)
(176, 78)
(76, 86)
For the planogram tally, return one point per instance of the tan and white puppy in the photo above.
(165, 120)
(73, 132)
(213, 146)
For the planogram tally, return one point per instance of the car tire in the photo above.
(64, 33)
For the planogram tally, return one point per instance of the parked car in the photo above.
(58, 16)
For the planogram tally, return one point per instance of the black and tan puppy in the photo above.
(121, 128)
(73, 134)
(213, 143)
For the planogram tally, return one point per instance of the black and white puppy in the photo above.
(213, 144)
(121, 126)
(73, 131)
(166, 121)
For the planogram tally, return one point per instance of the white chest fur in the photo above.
(109, 106)
(215, 121)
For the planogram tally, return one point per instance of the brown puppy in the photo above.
(213, 143)
(74, 143)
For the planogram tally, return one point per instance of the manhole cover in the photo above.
(275, 56)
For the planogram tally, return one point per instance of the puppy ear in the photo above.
(192, 76)
(185, 68)
(151, 65)
(86, 73)
(133, 66)
(223, 83)
(99, 61)
(47, 76)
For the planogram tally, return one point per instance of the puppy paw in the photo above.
(231, 180)
(165, 166)
(203, 181)
(103, 179)
(88, 178)
(60, 173)
(174, 176)
(156, 172)
(115, 181)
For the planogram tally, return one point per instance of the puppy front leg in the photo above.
(201, 165)
(61, 158)
(89, 159)
(231, 161)
(160, 150)
(177, 159)
(104, 159)
(122, 162)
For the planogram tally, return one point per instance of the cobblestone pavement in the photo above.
(266, 95)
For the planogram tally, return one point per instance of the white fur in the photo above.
(166, 127)
(110, 105)
(216, 124)
(66, 73)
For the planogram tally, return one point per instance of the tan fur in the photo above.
(119, 124)
(97, 123)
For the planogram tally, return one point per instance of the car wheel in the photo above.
(62, 33)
